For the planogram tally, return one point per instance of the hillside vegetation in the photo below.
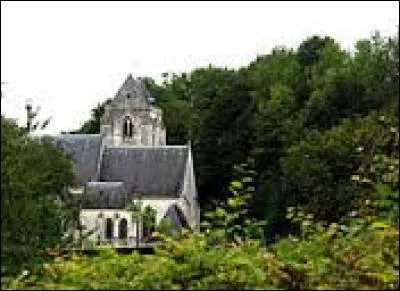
(296, 159)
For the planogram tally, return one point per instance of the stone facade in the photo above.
(131, 118)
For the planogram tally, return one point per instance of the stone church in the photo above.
(129, 162)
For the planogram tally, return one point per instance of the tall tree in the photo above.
(34, 175)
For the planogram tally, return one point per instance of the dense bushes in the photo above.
(352, 256)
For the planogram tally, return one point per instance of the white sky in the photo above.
(68, 56)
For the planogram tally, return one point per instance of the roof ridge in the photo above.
(148, 146)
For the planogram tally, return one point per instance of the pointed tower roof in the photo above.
(133, 92)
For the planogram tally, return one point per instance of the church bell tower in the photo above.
(131, 117)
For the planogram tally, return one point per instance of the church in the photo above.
(129, 163)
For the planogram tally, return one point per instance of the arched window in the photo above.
(123, 229)
(127, 129)
(109, 228)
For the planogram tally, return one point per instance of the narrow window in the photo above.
(109, 228)
(123, 229)
(127, 127)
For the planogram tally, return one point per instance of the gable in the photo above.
(132, 93)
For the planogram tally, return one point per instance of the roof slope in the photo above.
(84, 150)
(109, 195)
(157, 171)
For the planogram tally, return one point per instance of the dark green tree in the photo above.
(34, 177)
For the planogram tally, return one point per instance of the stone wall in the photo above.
(132, 100)
(96, 219)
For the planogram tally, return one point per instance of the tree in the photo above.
(92, 126)
(309, 50)
(34, 177)
(317, 171)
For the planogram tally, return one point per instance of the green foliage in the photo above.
(308, 124)
(190, 264)
(322, 127)
(174, 113)
(232, 220)
(309, 50)
(92, 126)
(376, 67)
(377, 174)
(357, 255)
(318, 170)
(149, 215)
(33, 216)
(224, 131)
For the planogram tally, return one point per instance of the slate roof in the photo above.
(151, 171)
(84, 150)
(105, 195)
(145, 170)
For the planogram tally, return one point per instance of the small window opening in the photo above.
(109, 228)
(127, 127)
